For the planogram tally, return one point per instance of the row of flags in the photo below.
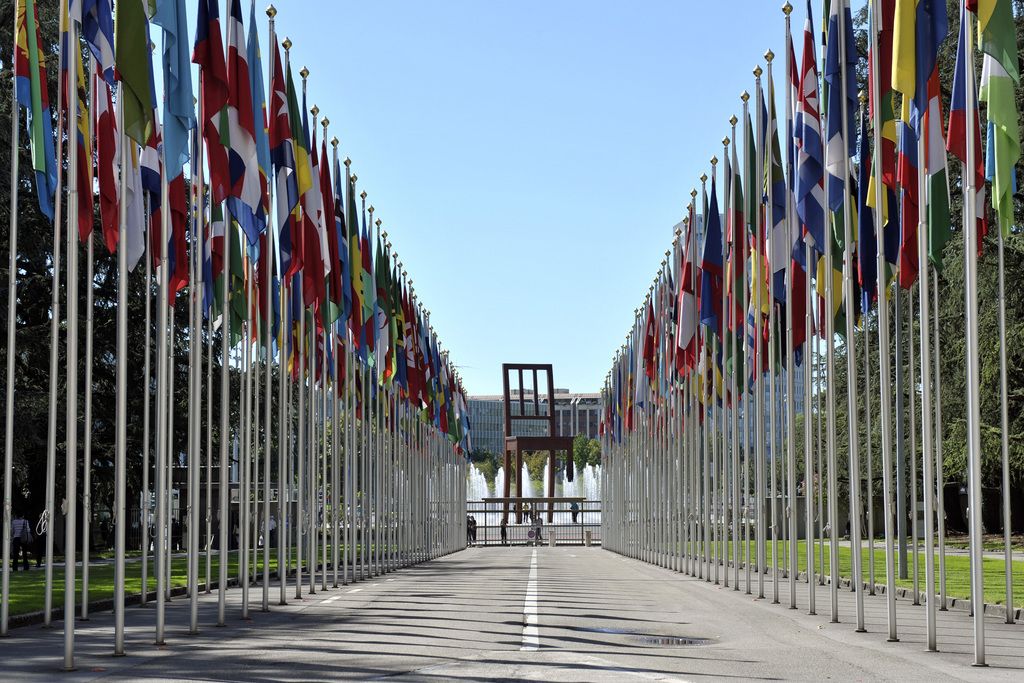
(720, 260)
(331, 265)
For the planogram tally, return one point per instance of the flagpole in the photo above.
(790, 511)
(884, 382)
(225, 433)
(146, 403)
(852, 411)
(940, 505)
(195, 364)
(268, 340)
(746, 392)
(46, 523)
(769, 265)
(12, 320)
(121, 417)
(971, 354)
(728, 315)
(759, 349)
(163, 409)
(87, 412)
(71, 397)
(924, 300)
(810, 528)
(1004, 422)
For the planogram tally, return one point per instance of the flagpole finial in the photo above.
(286, 44)
(383, 234)
(787, 9)
(362, 195)
(744, 96)
(348, 163)
(304, 73)
(725, 141)
(733, 120)
(693, 191)
(679, 233)
(271, 11)
(325, 122)
(703, 178)
(757, 71)
(769, 56)
(863, 96)
(334, 141)
(355, 178)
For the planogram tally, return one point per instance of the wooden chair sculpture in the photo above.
(550, 442)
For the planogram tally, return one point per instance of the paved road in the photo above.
(545, 614)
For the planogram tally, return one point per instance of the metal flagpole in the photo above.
(792, 232)
(195, 349)
(939, 479)
(121, 416)
(884, 382)
(225, 433)
(810, 476)
(757, 372)
(729, 313)
(268, 340)
(245, 417)
(169, 430)
(71, 397)
(8, 454)
(209, 436)
(87, 412)
(163, 410)
(769, 265)
(971, 353)
(746, 393)
(852, 411)
(924, 300)
(911, 362)
(45, 525)
(901, 458)
(1004, 422)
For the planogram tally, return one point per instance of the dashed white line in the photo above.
(389, 579)
(531, 631)
(355, 590)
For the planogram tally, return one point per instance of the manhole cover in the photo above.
(671, 641)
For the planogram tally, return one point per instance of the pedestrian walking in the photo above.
(21, 539)
(504, 531)
(575, 510)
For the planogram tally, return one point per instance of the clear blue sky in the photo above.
(530, 158)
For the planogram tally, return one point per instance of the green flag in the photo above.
(134, 67)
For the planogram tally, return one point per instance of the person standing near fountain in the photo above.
(575, 510)
(504, 531)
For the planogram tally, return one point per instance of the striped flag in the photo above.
(810, 189)
(97, 20)
(30, 94)
(245, 197)
(283, 160)
(956, 137)
(107, 159)
(838, 149)
(208, 53)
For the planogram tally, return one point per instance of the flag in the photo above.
(344, 259)
(133, 67)
(331, 217)
(208, 53)
(83, 132)
(939, 229)
(999, 78)
(956, 138)
(30, 94)
(283, 160)
(177, 246)
(810, 189)
(883, 62)
(303, 173)
(906, 174)
(686, 308)
(313, 266)
(711, 267)
(179, 109)
(108, 159)
(259, 99)
(245, 197)
(997, 32)
(135, 229)
(835, 64)
(867, 240)
(355, 262)
(97, 20)
(781, 246)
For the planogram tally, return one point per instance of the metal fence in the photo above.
(563, 528)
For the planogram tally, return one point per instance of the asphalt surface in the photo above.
(544, 614)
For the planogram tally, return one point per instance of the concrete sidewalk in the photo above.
(592, 616)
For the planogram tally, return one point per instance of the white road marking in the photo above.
(355, 590)
(329, 600)
(390, 579)
(531, 631)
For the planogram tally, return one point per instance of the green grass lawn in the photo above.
(28, 588)
(958, 573)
